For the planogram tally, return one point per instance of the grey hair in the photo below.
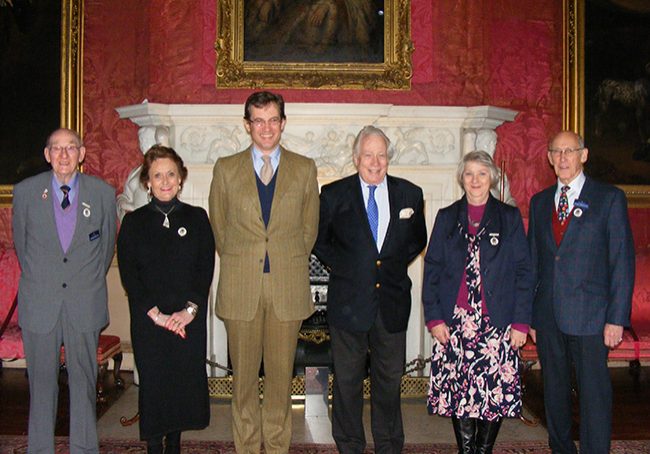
(370, 130)
(480, 157)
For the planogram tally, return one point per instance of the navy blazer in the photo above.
(506, 269)
(362, 279)
(588, 280)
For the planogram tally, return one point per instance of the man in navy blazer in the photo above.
(582, 248)
(64, 226)
(369, 292)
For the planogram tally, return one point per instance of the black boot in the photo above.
(154, 445)
(465, 431)
(173, 443)
(486, 435)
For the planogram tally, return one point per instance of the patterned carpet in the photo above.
(18, 445)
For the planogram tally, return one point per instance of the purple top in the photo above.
(66, 220)
(475, 213)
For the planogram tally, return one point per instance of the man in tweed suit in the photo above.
(264, 213)
(581, 246)
(64, 234)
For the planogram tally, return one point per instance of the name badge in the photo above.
(94, 235)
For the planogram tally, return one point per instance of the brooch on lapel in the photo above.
(86, 210)
(44, 195)
(494, 238)
(406, 213)
(579, 207)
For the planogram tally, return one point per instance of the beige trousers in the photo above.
(248, 342)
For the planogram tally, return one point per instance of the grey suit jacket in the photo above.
(52, 279)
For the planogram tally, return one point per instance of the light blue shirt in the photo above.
(383, 206)
(258, 162)
(575, 187)
(74, 188)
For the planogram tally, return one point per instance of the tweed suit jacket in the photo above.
(242, 239)
(52, 279)
(588, 280)
(364, 280)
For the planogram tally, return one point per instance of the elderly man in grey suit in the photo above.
(64, 232)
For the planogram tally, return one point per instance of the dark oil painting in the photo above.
(314, 31)
(30, 80)
(617, 91)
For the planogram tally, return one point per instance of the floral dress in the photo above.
(476, 374)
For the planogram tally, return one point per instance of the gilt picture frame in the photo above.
(604, 59)
(290, 44)
(66, 94)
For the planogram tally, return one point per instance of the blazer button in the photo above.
(64, 285)
(377, 285)
(378, 262)
(65, 259)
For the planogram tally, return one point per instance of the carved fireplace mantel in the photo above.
(429, 142)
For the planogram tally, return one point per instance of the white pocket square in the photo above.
(406, 213)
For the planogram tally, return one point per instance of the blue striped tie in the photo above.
(373, 212)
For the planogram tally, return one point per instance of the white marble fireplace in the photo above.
(428, 141)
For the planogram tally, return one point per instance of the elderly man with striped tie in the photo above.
(371, 227)
(582, 250)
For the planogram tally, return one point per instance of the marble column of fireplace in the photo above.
(428, 141)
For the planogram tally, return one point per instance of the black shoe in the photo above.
(486, 435)
(465, 431)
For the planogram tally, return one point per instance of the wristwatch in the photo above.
(191, 308)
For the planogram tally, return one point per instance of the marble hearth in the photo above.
(428, 141)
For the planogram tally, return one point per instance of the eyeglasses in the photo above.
(568, 152)
(260, 123)
(58, 148)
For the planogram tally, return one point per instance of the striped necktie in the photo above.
(65, 203)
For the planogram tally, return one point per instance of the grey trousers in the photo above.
(42, 351)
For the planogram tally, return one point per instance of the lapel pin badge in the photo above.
(494, 239)
(577, 212)
(86, 210)
(581, 204)
(44, 195)
(182, 231)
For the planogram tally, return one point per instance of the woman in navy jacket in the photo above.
(477, 296)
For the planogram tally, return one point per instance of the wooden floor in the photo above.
(631, 414)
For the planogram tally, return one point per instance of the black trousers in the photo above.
(558, 354)
(387, 357)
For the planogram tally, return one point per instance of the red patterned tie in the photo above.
(563, 205)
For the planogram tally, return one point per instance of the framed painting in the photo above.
(40, 82)
(607, 89)
(347, 44)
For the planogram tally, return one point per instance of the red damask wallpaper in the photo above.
(467, 52)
